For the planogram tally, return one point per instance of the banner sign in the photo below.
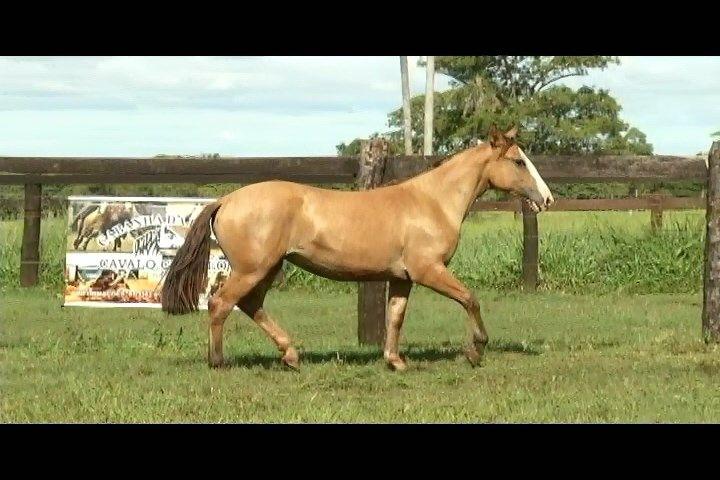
(118, 249)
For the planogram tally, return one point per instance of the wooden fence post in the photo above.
(711, 284)
(30, 250)
(656, 212)
(372, 296)
(530, 248)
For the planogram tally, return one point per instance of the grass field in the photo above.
(552, 358)
(613, 336)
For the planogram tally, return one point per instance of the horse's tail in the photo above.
(186, 277)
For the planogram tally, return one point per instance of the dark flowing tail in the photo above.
(187, 275)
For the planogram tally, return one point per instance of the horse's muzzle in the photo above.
(537, 202)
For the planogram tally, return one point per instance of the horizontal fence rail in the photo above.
(553, 168)
(66, 170)
(583, 168)
(598, 204)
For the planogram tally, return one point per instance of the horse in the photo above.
(404, 233)
(92, 220)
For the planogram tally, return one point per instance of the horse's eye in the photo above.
(519, 162)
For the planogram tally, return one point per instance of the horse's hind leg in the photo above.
(397, 303)
(252, 305)
(220, 305)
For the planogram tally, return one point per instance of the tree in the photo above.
(395, 145)
(508, 90)
(523, 90)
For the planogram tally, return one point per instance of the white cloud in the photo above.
(287, 105)
(674, 100)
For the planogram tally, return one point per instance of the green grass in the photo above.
(579, 252)
(552, 357)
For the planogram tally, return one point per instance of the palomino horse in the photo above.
(404, 233)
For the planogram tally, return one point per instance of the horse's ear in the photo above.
(495, 137)
(512, 133)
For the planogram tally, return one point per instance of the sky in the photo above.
(289, 106)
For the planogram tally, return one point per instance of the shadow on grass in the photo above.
(412, 352)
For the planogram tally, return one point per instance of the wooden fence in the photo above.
(372, 168)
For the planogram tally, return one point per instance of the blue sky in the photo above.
(266, 106)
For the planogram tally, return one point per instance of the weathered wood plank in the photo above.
(683, 203)
(199, 178)
(711, 290)
(557, 168)
(30, 249)
(596, 204)
(530, 249)
(620, 168)
(372, 296)
(584, 168)
(346, 166)
(656, 212)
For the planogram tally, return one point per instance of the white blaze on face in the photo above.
(539, 182)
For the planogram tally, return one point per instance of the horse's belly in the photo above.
(335, 270)
(347, 260)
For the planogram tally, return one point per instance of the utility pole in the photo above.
(404, 78)
(429, 89)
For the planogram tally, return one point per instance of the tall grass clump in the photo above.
(580, 252)
(52, 252)
(586, 253)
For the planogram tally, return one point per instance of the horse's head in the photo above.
(510, 170)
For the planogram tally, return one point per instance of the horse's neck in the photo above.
(454, 185)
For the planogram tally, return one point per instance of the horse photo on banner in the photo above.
(118, 249)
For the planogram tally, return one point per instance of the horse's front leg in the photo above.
(437, 277)
(397, 304)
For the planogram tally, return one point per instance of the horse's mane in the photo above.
(433, 166)
(427, 169)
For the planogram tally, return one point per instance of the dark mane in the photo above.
(433, 166)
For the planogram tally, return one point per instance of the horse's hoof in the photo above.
(291, 360)
(473, 356)
(292, 365)
(397, 366)
(216, 365)
(216, 362)
(396, 363)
